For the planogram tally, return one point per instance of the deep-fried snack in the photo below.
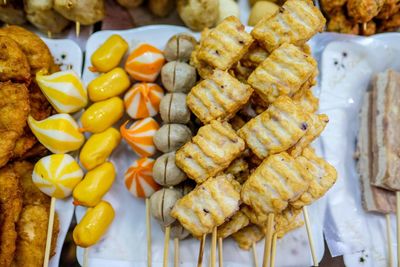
(208, 205)
(36, 152)
(247, 236)
(7, 144)
(12, 12)
(282, 73)
(238, 221)
(323, 176)
(306, 99)
(364, 10)
(279, 180)
(258, 219)
(23, 144)
(13, 62)
(218, 98)
(331, 7)
(287, 221)
(11, 205)
(317, 124)
(225, 44)
(202, 67)
(275, 130)
(298, 22)
(37, 52)
(40, 107)
(254, 56)
(340, 23)
(239, 168)
(214, 147)
(391, 24)
(390, 8)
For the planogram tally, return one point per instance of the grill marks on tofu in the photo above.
(277, 129)
(214, 147)
(287, 221)
(238, 221)
(218, 98)
(282, 73)
(225, 45)
(280, 179)
(247, 236)
(296, 24)
(208, 205)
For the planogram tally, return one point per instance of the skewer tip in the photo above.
(77, 28)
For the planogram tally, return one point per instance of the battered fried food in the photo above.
(218, 98)
(36, 51)
(332, 7)
(392, 24)
(208, 205)
(225, 44)
(12, 12)
(254, 56)
(214, 147)
(364, 10)
(7, 144)
(11, 205)
(282, 73)
(307, 100)
(287, 221)
(298, 22)
(239, 168)
(13, 62)
(277, 129)
(390, 8)
(339, 23)
(238, 221)
(247, 236)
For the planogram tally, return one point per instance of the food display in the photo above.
(109, 54)
(108, 85)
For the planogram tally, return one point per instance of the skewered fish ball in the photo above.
(179, 47)
(178, 76)
(161, 204)
(86, 12)
(177, 231)
(173, 109)
(165, 171)
(170, 137)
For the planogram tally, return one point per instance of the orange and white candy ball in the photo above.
(139, 178)
(139, 135)
(143, 100)
(144, 63)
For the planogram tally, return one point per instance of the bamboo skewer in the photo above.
(49, 232)
(398, 226)
(176, 251)
(273, 252)
(166, 245)
(213, 247)
(49, 35)
(201, 251)
(389, 239)
(255, 258)
(310, 237)
(148, 232)
(85, 257)
(220, 252)
(268, 239)
(77, 28)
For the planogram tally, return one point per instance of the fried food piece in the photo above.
(364, 10)
(36, 51)
(36, 152)
(306, 99)
(331, 7)
(279, 180)
(40, 107)
(12, 12)
(370, 28)
(282, 73)
(317, 124)
(238, 221)
(208, 205)
(240, 72)
(239, 168)
(218, 98)
(225, 44)
(254, 56)
(323, 176)
(298, 22)
(287, 221)
(23, 144)
(255, 218)
(86, 12)
(340, 23)
(392, 24)
(13, 62)
(202, 67)
(275, 130)
(214, 147)
(247, 236)
(11, 205)
(7, 144)
(390, 8)
(32, 233)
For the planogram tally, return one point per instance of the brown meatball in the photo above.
(364, 10)
(339, 23)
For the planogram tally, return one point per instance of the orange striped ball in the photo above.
(139, 135)
(139, 178)
(145, 63)
(143, 100)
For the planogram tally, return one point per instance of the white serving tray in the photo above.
(66, 53)
(125, 242)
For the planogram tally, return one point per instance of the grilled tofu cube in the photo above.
(218, 98)
(287, 221)
(247, 236)
(298, 22)
(307, 100)
(238, 221)
(282, 73)
(225, 44)
(212, 150)
(208, 205)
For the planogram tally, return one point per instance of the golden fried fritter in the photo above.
(13, 62)
(364, 10)
(37, 52)
(331, 7)
(391, 24)
(238, 221)
(7, 144)
(23, 144)
(339, 23)
(287, 221)
(390, 8)
(247, 236)
(11, 205)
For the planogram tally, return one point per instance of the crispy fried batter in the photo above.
(332, 6)
(390, 8)
(247, 236)
(287, 221)
(339, 23)
(238, 221)
(364, 10)
(7, 144)
(390, 24)
(11, 205)
(13, 62)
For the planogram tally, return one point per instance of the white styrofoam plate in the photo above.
(67, 54)
(125, 242)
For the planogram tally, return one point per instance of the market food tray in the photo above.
(125, 242)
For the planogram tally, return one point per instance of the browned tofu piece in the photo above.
(218, 98)
(208, 205)
(287, 221)
(238, 221)
(278, 181)
(248, 236)
(212, 150)
(225, 44)
(277, 129)
(296, 24)
(307, 100)
(258, 219)
(323, 176)
(239, 168)
(283, 73)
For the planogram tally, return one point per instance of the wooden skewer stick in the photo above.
(273, 252)
(176, 250)
(49, 35)
(398, 226)
(85, 257)
(49, 232)
(148, 232)
(310, 237)
(77, 28)
(389, 239)
(213, 257)
(255, 258)
(220, 252)
(166, 245)
(201, 251)
(364, 27)
(268, 239)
